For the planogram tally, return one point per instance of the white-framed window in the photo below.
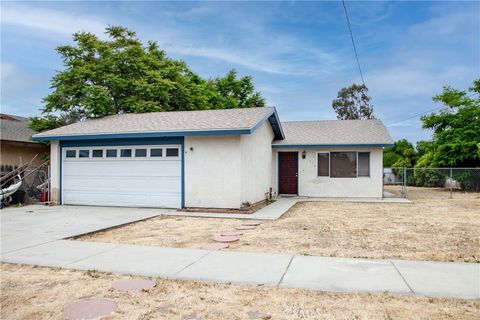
(97, 153)
(323, 164)
(71, 153)
(343, 164)
(156, 152)
(172, 152)
(84, 153)
(112, 153)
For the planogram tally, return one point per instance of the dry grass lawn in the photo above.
(32, 293)
(434, 227)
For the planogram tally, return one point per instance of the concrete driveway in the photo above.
(37, 224)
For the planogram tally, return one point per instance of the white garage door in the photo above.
(132, 176)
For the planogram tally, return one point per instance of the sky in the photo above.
(299, 53)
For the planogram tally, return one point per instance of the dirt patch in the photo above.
(42, 293)
(432, 228)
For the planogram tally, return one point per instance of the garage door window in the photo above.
(111, 153)
(126, 153)
(156, 152)
(172, 152)
(97, 153)
(84, 153)
(71, 153)
(140, 153)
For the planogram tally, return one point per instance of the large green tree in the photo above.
(122, 75)
(456, 129)
(353, 103)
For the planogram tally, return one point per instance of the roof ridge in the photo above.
(329, 120)
(183, 111)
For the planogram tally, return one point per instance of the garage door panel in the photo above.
(123, 199)
(158, 184)
(127, 168)
(136, 182)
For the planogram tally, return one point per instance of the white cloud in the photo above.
(53, 22)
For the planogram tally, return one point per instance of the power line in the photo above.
(428, 111)
(353, 41)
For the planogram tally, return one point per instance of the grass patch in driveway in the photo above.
(432, 228)
(42, 293)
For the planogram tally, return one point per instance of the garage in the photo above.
(126, 176)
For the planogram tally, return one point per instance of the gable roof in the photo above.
(162, 124)
(334, 133)
(15, 128)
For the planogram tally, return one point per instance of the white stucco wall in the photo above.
(213, 171)
(309, 184)
(256, 163)
(55, 171)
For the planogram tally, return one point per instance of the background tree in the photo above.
(353, 103)
(456, 129)
(121, 75)
(401, 154)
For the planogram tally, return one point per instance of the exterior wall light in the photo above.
(304, 154)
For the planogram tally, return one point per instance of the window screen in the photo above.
(140, 152)
(112, 153)
(125, 153)
(83, 153)
(97, 153)
(172, 152)
(343, 164)
(323, 165)
(364, 164)
(155, 152)
(71, 153)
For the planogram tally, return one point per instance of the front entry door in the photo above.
(288, 172)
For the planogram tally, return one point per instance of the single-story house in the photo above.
(213, 159)
(16, 142)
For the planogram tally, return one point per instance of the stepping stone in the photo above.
(245, 227)
(226, 239)
(215, 246)
(135, 284)
(233, 233)
(89, 309)
(251, 223)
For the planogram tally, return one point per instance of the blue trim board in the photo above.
(289, 146)
(126, 142)
(144, 135)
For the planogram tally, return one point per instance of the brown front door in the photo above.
(288, 172)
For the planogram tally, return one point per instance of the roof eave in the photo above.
(156, 134)
(274, 121)
(352, 145)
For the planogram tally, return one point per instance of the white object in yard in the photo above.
(134, 181)
(452, 183)
(7, 192)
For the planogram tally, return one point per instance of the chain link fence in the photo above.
(431, 182)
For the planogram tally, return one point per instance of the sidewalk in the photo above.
(454, 280)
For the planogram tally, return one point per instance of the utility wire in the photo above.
(425, 112)
(353, 41)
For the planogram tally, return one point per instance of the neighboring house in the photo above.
(213, 159)
(16, 142)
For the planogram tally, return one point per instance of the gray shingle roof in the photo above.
(15, 128)
(205, 120)
(334, 132)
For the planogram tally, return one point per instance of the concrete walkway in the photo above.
(271, 212)
(35, 235)
(454, 280)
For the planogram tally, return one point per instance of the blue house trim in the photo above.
(127, 142)
(289, 146)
